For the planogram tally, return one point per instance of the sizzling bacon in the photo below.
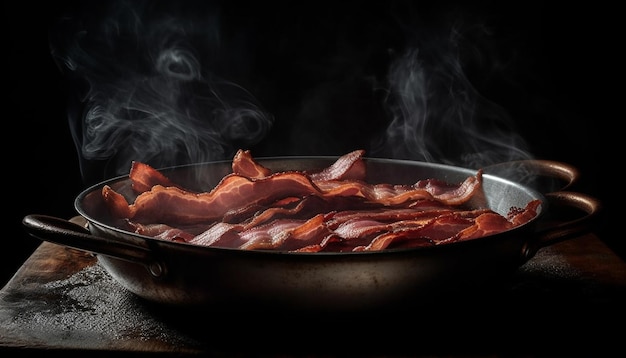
(220, 234)
(519, 216)
(244, 165)
(347, 167)
(164, 231)
(484, 225)
(235, 192)
(286, 234)
(178, 206)
(391, 195)
(143, 177)
(332, 209)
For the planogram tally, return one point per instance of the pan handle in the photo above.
(571, 214)
(551, 230)
(67, 233)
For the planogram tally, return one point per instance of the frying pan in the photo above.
(185, 275)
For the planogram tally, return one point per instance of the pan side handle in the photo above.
(583, 215)
(571, 213)
(68, 233)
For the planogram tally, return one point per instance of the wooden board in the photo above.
(565, 299)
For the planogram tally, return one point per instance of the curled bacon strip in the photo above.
(143, 177)
(244, 165)
(348, 167)
(175, 205)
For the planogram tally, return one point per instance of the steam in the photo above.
(149, 91)
(152, 84)
(437, 115)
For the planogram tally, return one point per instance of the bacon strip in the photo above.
(143, 177)
(244, 165)
(348, 167)
(220, 234)
(485, 224)
(391, 195)
(175, 205)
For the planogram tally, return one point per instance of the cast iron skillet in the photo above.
(185, 275)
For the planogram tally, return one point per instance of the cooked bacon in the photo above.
(143, 177)
(390, 195)
(384, 240)
(268, 236)
(287, 235)
(244, 165)
(117, 204)
(490, 223)
(348, 167)
(391, 214)
(175, 205)
(332, 209)
(149, 229)
(444, 227)
(354, 233)
(520, 216)
(220, 234)
(175, 234)
(302, 208)
(423, 233)
(307, 207)
(357, 228)
(451, 194)
(178, 206)
(484, 225)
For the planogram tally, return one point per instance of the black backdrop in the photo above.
(562, 92)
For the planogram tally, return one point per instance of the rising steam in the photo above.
(437, 115)
(152, 85)
(149, 92)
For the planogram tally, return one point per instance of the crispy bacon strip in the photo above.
(391, 195)
(305, 208)
(490, 223)
(220, 234)
(451, 194)
(160, 230)
(116, 202)
(287, 235)
(244, 165)
(385, 215)
(143, 177)
(424, 233)
(518, 217)
(268, 236)
(384, 240)
(175, 205)
(485, 224)
(348, 167)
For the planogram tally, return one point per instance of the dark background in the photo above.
(563, 92)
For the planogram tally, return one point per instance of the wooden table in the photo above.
(569, 299)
